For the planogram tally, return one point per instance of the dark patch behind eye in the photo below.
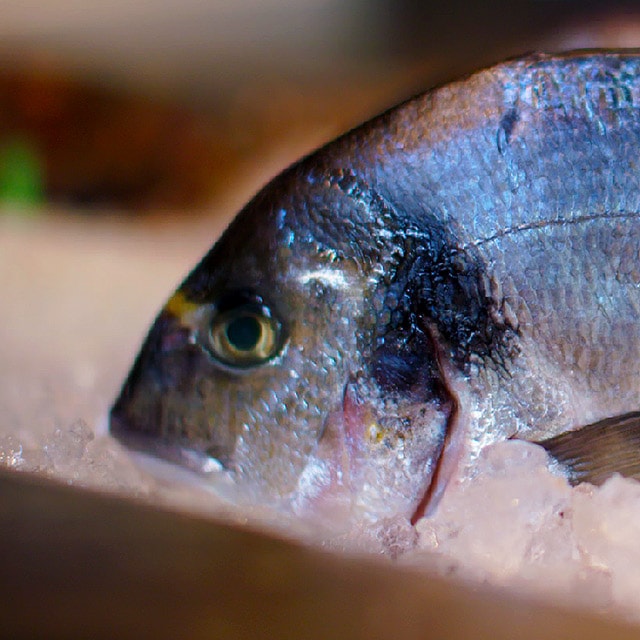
(432, 278)
(439, 283)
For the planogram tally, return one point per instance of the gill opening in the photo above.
(448, 455)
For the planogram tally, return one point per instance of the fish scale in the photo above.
(460, 270)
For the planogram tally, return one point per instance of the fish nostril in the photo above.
(173, 340)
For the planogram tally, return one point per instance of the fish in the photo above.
(461, 270)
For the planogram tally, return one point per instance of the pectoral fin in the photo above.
(595, 452)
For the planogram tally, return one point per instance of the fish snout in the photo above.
(155, 401)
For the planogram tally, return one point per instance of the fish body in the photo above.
(460, 270)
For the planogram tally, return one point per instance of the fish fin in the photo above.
(594, 452)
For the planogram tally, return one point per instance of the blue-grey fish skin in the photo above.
(460, 270)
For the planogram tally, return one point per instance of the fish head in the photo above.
(286, 364)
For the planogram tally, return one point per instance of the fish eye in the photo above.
(245, 335)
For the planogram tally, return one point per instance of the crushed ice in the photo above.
(514, 522)
(518, 524)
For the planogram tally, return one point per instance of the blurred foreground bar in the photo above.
(77, 564)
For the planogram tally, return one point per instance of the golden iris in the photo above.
(245, 336)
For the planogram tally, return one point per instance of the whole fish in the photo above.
(462, 269)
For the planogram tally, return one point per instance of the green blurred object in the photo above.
(21, 174)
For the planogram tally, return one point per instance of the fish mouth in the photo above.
(186, 457)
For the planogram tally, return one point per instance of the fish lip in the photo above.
(186, 457)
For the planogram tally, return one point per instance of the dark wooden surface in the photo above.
(77, 564)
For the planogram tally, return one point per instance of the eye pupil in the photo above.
(244, 332)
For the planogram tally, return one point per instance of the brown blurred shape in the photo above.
(103, 147)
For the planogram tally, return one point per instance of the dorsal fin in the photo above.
(595, 452)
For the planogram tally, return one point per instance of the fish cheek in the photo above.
(278, 412)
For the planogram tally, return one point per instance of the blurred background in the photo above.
(178, 104)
